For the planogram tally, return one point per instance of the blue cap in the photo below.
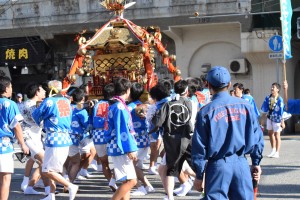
(218, 77)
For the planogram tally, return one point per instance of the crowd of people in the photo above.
(201, 131)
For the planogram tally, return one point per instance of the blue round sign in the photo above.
(275, 43)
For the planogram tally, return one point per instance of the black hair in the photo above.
(277, 85)
(136, 91)
(218, 89)
(4, 83)
(171, 81)
(46, 88)
(247, 91)
(108, 91)
(159, 91)
(204, 80)
(199, 83)
(167, 84)
(121, 86)
(180, 87)
(239, 85)
(78, 95)
(32, 89)
(194, 86)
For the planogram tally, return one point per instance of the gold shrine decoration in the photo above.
(127, 61)
(108, 67)
(113, 4)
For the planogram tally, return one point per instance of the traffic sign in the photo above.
(275, 43)
(275, 55)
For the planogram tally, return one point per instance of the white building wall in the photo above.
(217, 44)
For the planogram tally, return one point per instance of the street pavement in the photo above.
(280, 179)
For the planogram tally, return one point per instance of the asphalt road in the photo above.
(280, 179)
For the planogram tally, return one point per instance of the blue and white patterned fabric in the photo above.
(139, 124)
(79, 125)
(98, 137)
(276, 115)
(56, 112)
(29, 127)
(250, 99)
(26, 109)
(100, 121)
(119, 136)
(9, 117)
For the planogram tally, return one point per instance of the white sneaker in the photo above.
(30, 190)
(72, 191)
(149, 189)
(186, 187)
(167, 198)
(79, 177)
(85, 173)
(24, 184)
(276, 155)
(141, 191)
(39, 184)
(272, 153)
(94, 165)
(152, 170)
(50, 196)
(177, 190)
(112, 185)
(145, 166)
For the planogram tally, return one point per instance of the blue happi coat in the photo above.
(80, 125)
(56, 113)
(120, 134)
(139, 124)
(276, 114)
(9, 117)
(100, 121)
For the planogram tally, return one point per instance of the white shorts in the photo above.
(273, 126)
(154, 140)
(54, 159)
(101, 149)
(164, 160)
(141, 155)
(123, 168)
(85, 145)
(35, 146)
(7, 162)
(73, 150)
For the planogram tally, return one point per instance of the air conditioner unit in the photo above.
(238, 66)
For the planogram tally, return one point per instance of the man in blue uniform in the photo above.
(226, 129)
